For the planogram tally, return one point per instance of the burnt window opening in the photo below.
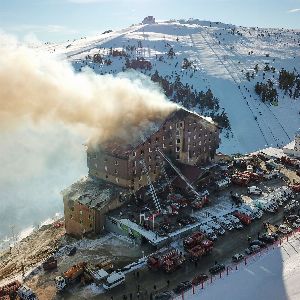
(178, 141)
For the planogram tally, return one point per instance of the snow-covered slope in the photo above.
(271, 275)
(221, 55)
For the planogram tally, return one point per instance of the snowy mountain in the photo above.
(210, 67)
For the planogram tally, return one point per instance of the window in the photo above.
(105, 159)
(142, 152)
(80, 221)
(91, 225)
(164, 137)
(134, 172)
(195, 137)
(106, 176)
(80, 212)
(163, 145)
(71, 217)
(134, 163)
(149, 158)
(156, 139)
(134, 154)
(116, 163)
(105, 168)
(178, 141)
(181, 124)
(96, 166)
(177, 156)
(170, 126)
(150, 150)
(177, 149)
(117, 179)
(116, 172)
(177, 132)
(189, 139)
(140, 178)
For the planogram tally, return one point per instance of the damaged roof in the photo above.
(120, 148)
(93, 193)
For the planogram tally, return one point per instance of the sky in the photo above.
(60, 20)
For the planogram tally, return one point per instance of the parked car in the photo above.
(296, 223)
(182, 287)
(258, 243)
(72, 251)
(237, 257)
(292, 218)
(199, 279)
(217, 228)
(252, 249)
(164, 296)
(267, 238)
(284, 229)
(217, 269)
(274, 235)
(254, 190)
(234, 221)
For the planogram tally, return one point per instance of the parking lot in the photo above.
(145, 283)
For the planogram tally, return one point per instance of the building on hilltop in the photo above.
(149, 20)
(185, 137)
(293, 148)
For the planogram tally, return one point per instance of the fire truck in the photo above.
(168, 260)
(197, 245)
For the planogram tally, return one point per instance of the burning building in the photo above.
(118, 169)
(183, 136)
(86, 203)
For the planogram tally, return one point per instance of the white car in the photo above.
(254, 190)
(284, 229)
(237, 257)
(296, 223)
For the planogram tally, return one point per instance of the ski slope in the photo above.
(221, 55)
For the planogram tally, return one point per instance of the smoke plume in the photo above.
(39, 87)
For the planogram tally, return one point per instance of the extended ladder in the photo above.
(180, 175)
(151, 187)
